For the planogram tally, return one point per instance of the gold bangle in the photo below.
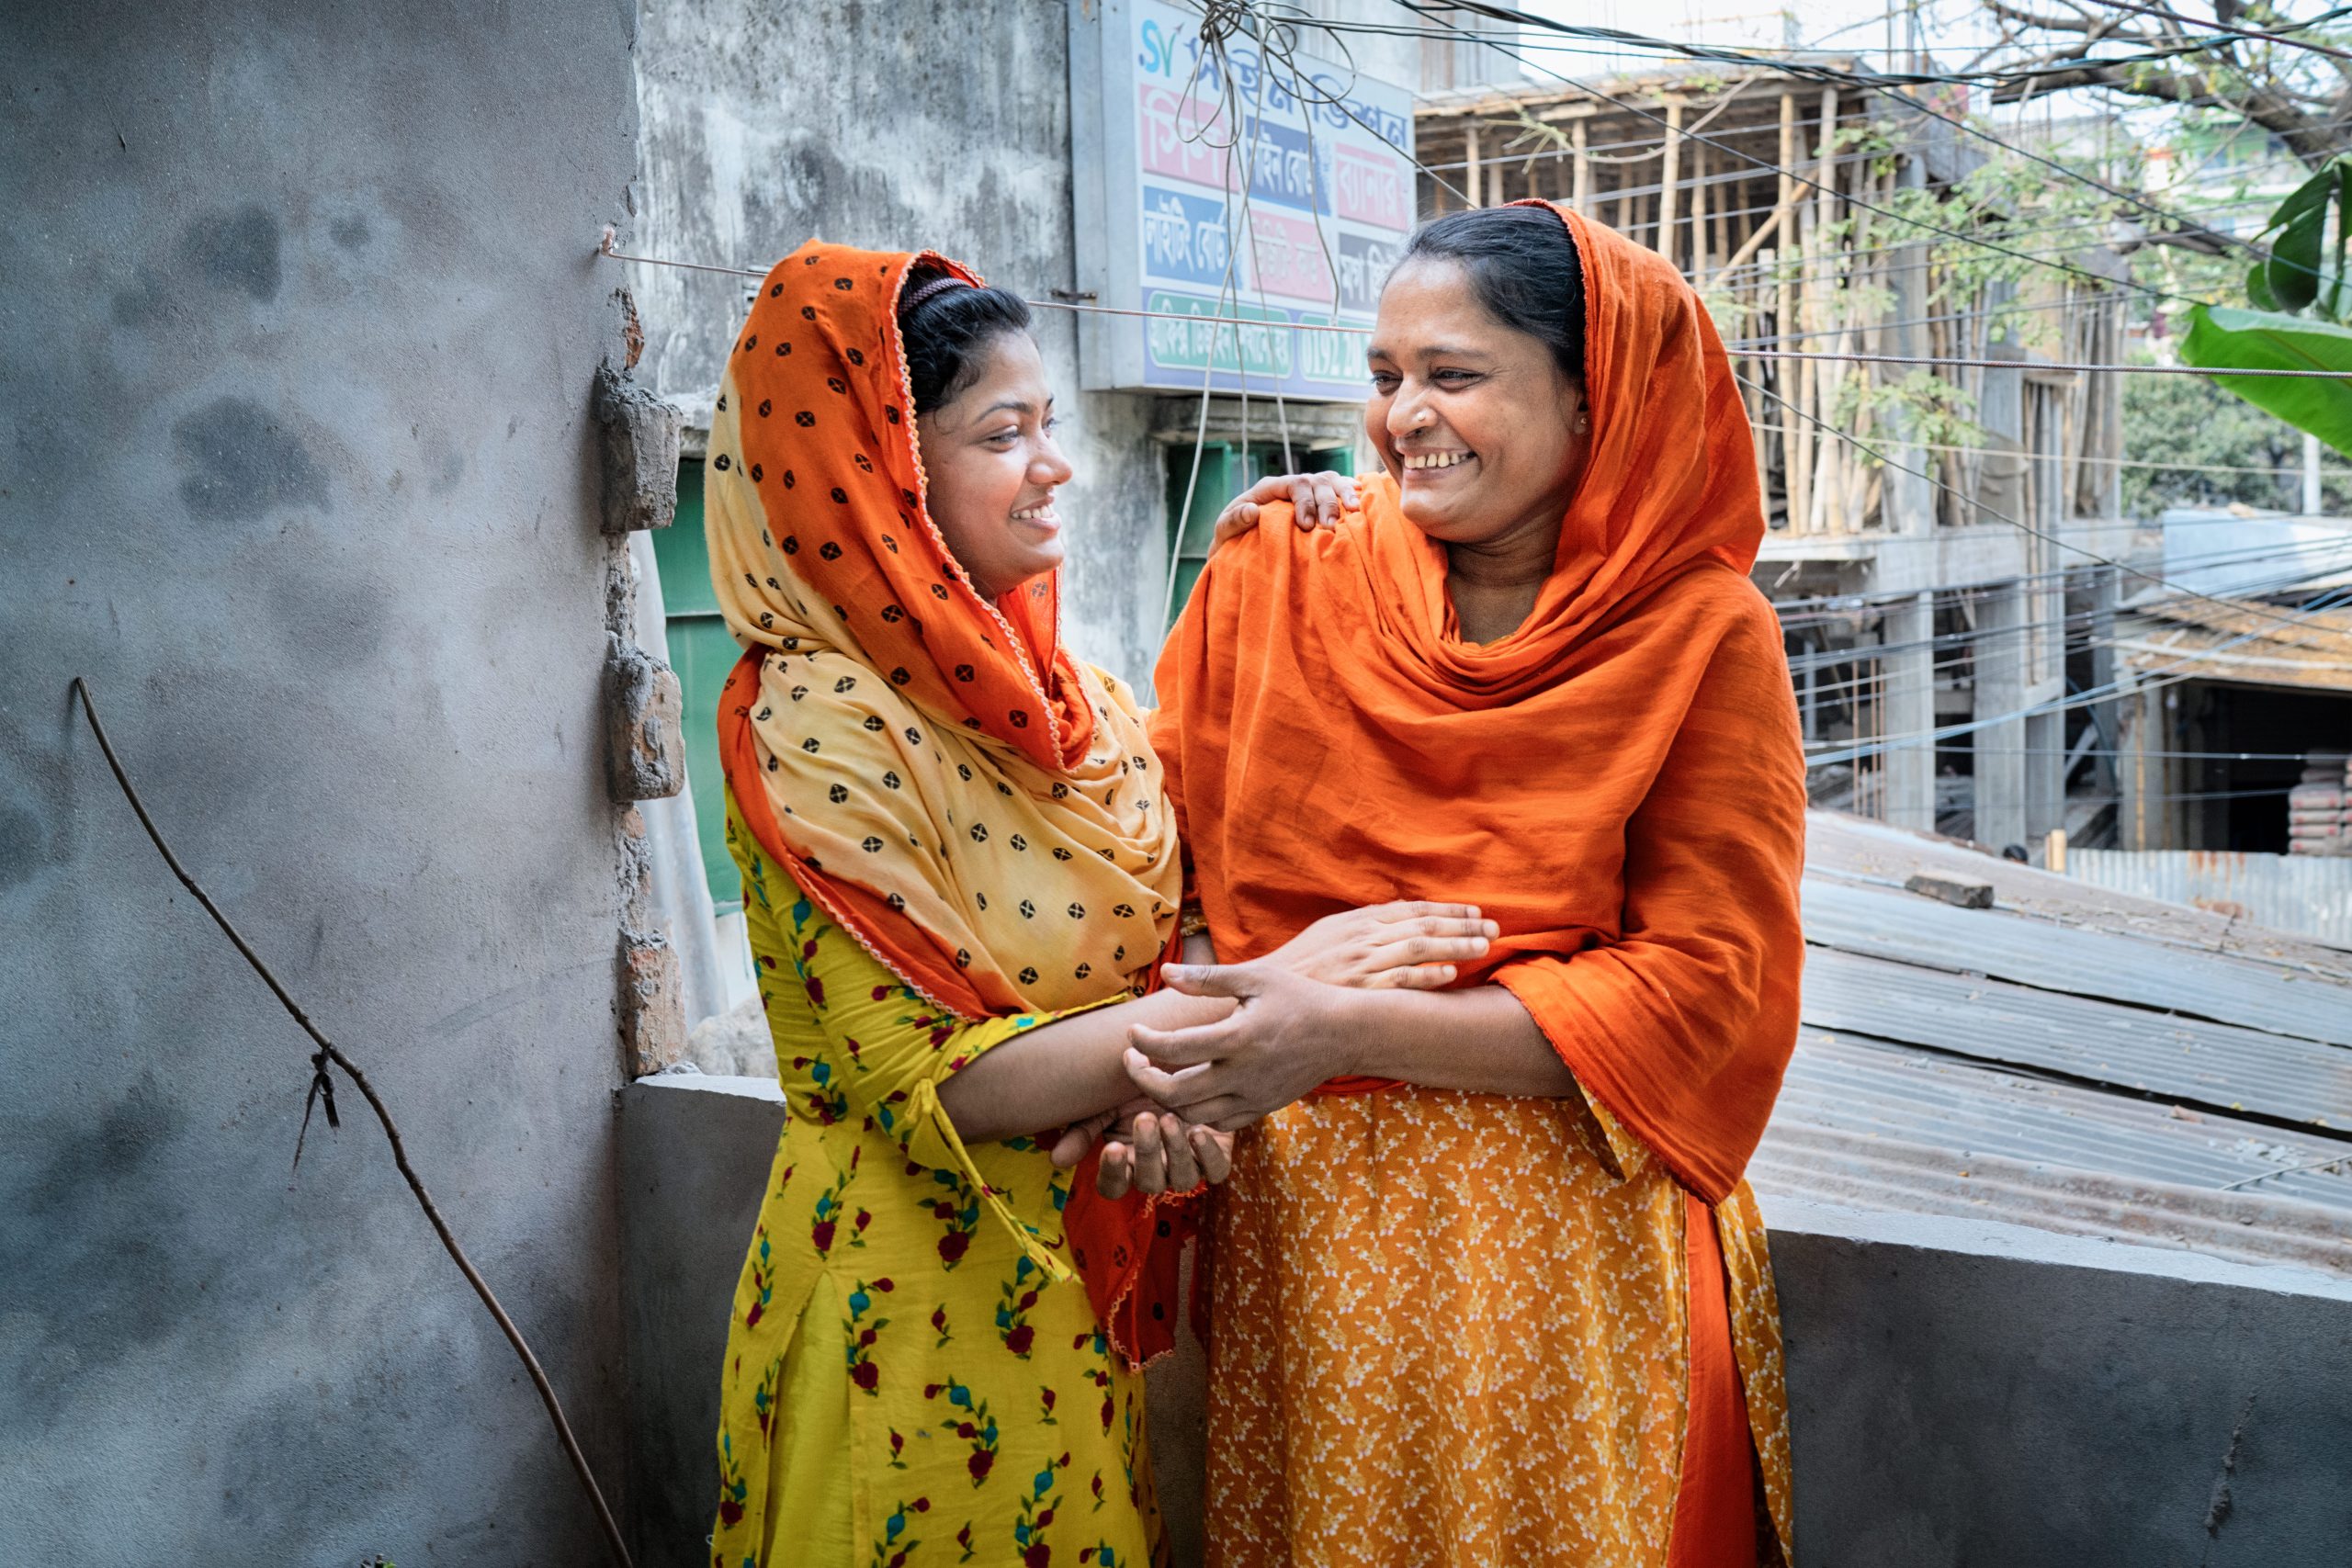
(1190, 921)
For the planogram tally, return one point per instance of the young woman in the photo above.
(1487, 1286)
(959, 870)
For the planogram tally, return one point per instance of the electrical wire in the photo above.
(2259, 36)
(1873, 83)
(2154, 465)
(2091, 555)
(607, 249)
(2152, 681)
(1502, 13)
(1721, 54)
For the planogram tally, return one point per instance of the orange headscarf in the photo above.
(1618, 782)
(981, 811)
(934, 769)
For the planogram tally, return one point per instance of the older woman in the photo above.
(1487, 1287)
(959, 872)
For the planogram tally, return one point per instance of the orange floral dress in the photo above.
(1463, 1316)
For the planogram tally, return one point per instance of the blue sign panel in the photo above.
(1184, 237)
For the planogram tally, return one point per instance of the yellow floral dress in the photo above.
(913, 1374)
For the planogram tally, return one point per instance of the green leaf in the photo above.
(2222, 338)
(2343, 233)
(2302, 222)
(2257, 288)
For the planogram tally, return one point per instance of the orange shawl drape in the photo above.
(977, 809)
(1618, 782)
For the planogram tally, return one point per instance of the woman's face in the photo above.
(993, 466)
(1474, 418)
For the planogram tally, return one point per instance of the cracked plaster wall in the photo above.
(905, 127)
(301, 327)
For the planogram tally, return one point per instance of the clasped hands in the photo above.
(1294, 1024)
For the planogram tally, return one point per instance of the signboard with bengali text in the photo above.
(1230, 198)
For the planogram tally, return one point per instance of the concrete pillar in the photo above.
(2102, 587)
(2045, 801)
(2000, 649)
(2139, 780)
(1907, 671)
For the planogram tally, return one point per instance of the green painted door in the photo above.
(1224, 476)
(702, 651)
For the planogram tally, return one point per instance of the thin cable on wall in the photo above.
(328, 1052)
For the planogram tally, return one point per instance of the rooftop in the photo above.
(2073, 1059)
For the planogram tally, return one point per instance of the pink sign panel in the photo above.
(1289, 255)
(1183, 138)
(1373, 189)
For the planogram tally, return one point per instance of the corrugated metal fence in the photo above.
(2307, 893)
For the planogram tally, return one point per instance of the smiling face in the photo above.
(1474, 418)
(992, 465)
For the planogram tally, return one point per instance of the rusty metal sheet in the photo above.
(2308, 894)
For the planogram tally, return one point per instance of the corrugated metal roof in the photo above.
(1915, 1083)
(1884, 1087)
(2310, 894)
(2206, 1064)
(1887, 923)
(1855, 848)
(2200, 638)
(1879, 1124)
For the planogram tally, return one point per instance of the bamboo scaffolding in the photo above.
(1668, 177)
(1804, 257)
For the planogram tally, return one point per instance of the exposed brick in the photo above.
(645, 740)
(652, 1011)
(638, 435)
(1957, 890)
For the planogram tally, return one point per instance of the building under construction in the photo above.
(1943, 525)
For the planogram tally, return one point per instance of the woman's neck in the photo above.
(1494, 584)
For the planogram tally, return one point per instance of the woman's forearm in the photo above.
(1480, 1040)
(1063, 1071)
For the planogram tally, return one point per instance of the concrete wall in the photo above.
(694, 1154)
(1967, 1393)
(1962, 1392)
(897, 128)
(301, 323)
(905, 127)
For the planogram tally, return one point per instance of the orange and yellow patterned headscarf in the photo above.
(983, 812)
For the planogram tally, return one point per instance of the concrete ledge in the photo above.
(1962, 1392)
(1968, 1392)
(695, 1156)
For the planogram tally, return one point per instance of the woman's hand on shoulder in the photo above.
(1412, 943)
(1316, 501)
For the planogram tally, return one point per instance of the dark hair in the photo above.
(947, 334)
(1524, 267)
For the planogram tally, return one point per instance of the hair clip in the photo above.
(937, 286)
